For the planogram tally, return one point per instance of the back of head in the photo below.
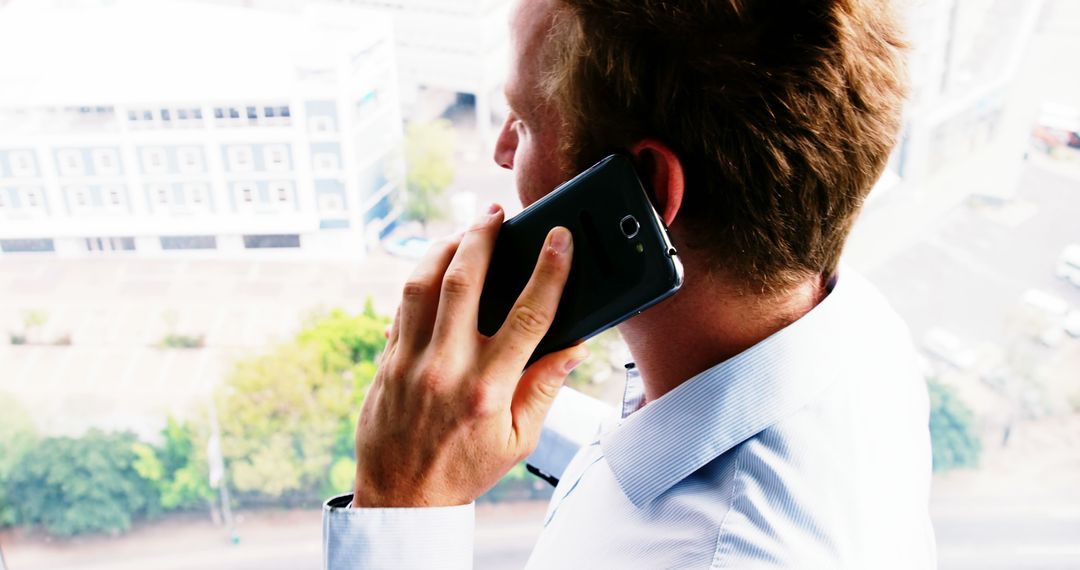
(782, 113)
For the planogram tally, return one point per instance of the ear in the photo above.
(662, 172)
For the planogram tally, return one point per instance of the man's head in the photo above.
(779, 117)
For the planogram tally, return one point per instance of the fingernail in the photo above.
(560, 239)
(494, 209)
(577, 360)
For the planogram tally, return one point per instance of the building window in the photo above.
(268, 112)
(195, 194)
(3, 198)
(330, 203)
(181, 114)
(71, 162)
(233, 113)
(78, 197)
(196, 114)
(26, 245)
(251, 114)
(188, 242)
(272, 240)
(110, 243)
(276, 158)
(321, 124)
(32, 197)
(190, 159)
(326, 162)
(165, 115)
(284, 112)
(148, 115)
(240, 158)
(133, 116)
(281, 193)
(159, 194)
(246, 195)
(154, 160)
(106, 162)
(219, 113)
(22, 164)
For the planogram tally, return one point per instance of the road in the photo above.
(967, 273)
(1021, 511)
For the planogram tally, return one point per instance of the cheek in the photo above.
(538, 170)
(528, 173)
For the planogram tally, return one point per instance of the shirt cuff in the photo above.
(432, 537)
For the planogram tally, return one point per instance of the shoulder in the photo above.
(843, 482)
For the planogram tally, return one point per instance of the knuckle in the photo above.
(483, 403)
(457, 281)
(431, 379)
(548, 389)
(478, 227)
(414, 289)
(529, 320)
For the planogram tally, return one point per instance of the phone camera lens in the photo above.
(629, 226)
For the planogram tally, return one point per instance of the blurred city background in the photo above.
(207, 210)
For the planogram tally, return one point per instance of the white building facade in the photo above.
(450, 46)
(162, 128)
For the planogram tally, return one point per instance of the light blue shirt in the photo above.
(808, 450)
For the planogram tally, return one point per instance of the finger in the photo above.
(393, 330)
(536, 390)
(392, 335)
(459, 299)
(531, 315)
(420, 296)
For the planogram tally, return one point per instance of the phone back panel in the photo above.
(612, 277)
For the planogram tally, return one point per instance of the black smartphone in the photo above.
(623, 261)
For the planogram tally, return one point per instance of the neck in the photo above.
(707, 322)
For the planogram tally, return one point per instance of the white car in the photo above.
(1068, 265)
(1072, 324)
(409, 248)
(946, 346)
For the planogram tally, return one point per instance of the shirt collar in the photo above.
(663, 442)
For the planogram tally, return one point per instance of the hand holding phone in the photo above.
(450, 410)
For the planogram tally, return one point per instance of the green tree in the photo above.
(429, 159)
(88, 484)
(17, 437)
(952, 429)
(179, 468)
(287, 415)
(32, 320)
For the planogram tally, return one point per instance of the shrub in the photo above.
(17, 437)
(952, 430)
(89, 484)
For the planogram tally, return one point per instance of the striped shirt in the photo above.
(808, 450)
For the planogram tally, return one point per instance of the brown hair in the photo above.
(783, 114)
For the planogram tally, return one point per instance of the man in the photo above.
(783, 422)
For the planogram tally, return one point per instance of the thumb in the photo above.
(537, 388)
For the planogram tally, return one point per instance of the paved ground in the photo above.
(114, 311)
